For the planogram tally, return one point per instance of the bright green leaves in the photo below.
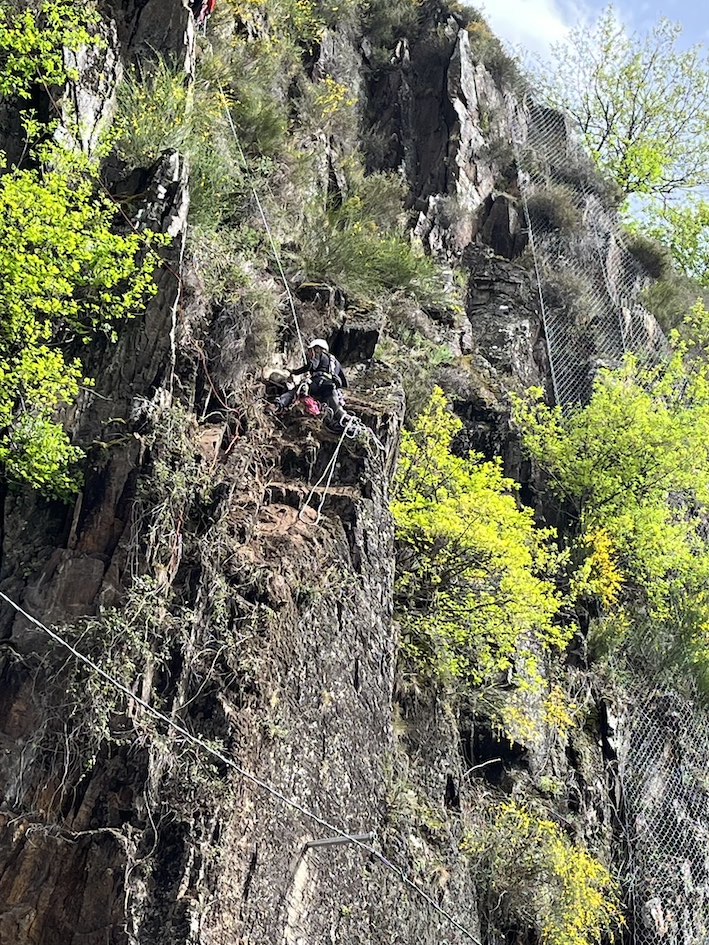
(685, 232)
(640, 102)
(474, 580)
(61, 266)
(36, 451)
(64, 275)
(628, 446)
(633, 467)
(34, 382)
(32, 43)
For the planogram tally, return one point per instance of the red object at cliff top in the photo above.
(206, 11)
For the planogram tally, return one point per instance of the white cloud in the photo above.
(532, 24)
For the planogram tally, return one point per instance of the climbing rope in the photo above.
(351, 430)
(262, 212)
(247, 775)
(329, 471)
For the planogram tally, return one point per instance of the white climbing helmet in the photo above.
(319, 343)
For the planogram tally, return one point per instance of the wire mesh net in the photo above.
(589, 287)
(666, 789)
(589, 281)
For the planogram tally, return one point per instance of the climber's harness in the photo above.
(326, 377)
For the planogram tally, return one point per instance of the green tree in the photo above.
(32, 42)
(640, 102)
(633, 466)
(684, 230)
(475, 583)
(64, 275)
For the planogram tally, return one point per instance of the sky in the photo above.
(534, 24)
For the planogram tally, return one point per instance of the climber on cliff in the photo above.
(326, 380)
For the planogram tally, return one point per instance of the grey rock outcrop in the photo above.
(267, 624)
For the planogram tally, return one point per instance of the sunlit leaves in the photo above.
(632, 468)
(32, 43)
(65, 274)
(544, 879)
(474, 571)
(685, 232)
(640, 102)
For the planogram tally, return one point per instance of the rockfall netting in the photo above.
(665, 779)
(588, 279)
(589, 285)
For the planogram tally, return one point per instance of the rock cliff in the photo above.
(213, 565)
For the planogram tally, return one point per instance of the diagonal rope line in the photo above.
(262, 212)
(247, 775)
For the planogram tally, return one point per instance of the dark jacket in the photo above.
(325, 369)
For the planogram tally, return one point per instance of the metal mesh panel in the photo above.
(588, 290)
(666, 786)
(588, 281)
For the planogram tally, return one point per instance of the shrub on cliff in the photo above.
(362, 246)
(670, 299)
(634, 465)
(475, 576)
(368, 263)
(537, 876)
(554, 207)
(385, 23)
(487, 49)
(33, 40)
(651, 255)
(160, 110)
(64, 276)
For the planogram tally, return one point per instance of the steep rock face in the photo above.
(430, 106)
(278, 642)
(319, 729)
(72, 580)
(121, 849)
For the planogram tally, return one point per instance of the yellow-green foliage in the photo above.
(32, 43)
(333, 97)
(537, 875)
(598, 574)
(633, 466)
(474, 582)
(283, 22)
(559, 711)
(684, 230)
(63, 275)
